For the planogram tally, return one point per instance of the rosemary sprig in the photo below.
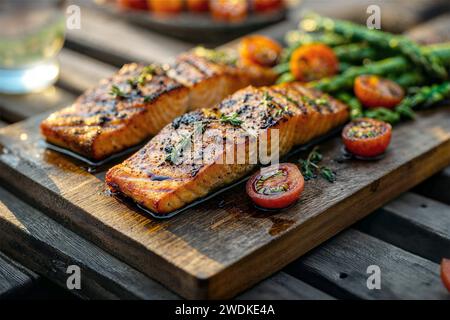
(232, 119)
(311, 169)
(267, 99)
(116, 92)
(176, 151)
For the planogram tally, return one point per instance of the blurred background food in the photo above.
(227, 10)
(205, 21)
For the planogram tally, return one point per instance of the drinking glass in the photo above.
(31, 35)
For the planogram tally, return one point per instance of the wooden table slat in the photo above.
(13, 277)
(116, 42)
(414, 223)
(18, 107)
(80, 72)
(340, 265)
(437, 187)
(45, 246)
(283, 286)
(433, 31)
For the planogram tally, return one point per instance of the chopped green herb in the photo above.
(328, 174)
(116, 92)
(310, 167)
(177, 150)
(232, 119)
(147, 71)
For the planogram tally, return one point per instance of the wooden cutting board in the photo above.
(224, 245)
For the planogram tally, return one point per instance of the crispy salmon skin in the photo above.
(138, 101)
(198, 152)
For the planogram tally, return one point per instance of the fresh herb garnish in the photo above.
(218, 56)
(142, 78)
(116, 92)
(311, 169)
(267, 99)
(177, 150)
(232, 119)
(328, 174)
(323, 101)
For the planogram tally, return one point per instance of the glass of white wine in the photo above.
(31, 35)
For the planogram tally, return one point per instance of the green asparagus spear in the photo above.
(383, 114)
(394, 65)
(282, 68)
(357, 52)
(408, 79)
(285, 77)
(408, 48)
(356, 109)
(297, 38)
(345, 80)
(441, 51)
(423, 98)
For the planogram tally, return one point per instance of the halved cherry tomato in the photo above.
(277, 186)
(374, 91)
(259, 50)
(165, 6)
(134, 4)
(267, 5)
(445, 273)
(198, 5)
(313, 62)
(229, 10)
(366, 137)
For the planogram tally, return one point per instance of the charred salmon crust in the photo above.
(207, 149)
(119, 113)
(138, 101)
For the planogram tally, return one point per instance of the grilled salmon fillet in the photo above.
(207, 149)
(138, 101)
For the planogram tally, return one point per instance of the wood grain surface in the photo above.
(80, 72)
(340, 266)
(223, 246)
(45, 246)
(18, 107)
(14, 278)
(116, 42)
(414, 223)
(437, 187)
